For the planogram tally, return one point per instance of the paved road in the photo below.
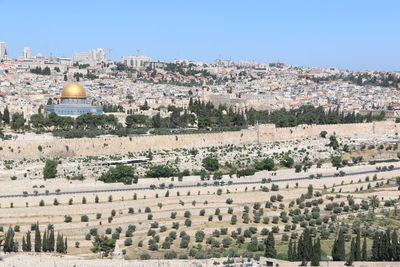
(130, 188)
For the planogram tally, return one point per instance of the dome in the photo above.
(73, 90)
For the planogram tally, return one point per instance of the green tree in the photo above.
(333, 142)
(38, 121)
(287, 161)
(9, 243)
(338, 249)
(290, 251)
(374, 202)
(44, 242)
(364, 256)
(17, 122)
(156, 171)
(120, 174)
(60, 244)
(336, 161)
(200, 236)
(316, 256)
(103, 245)
(265, 164)
(38, 239)
(50, 169)
(310, 191)
(28, 241)
(136, 120)
(352, 253)
(269, 242)
(156, 121)
(6, 116)
(210, 163)
(145, 106)
(357, 248)
(51, 241)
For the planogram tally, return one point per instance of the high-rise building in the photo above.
(135, 61)
(3, 50)
(91, 57)
(27, 53)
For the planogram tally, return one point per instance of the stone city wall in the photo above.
(108, 145)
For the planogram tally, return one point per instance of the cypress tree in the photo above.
(316, 256)
(6, 116)
(58, 246)
(294, 253)
(386, 246)
(269, 242)
(65, 246)
(357, 255)
(300, 249)
(338, 250)
(44, 241)
(51, 241)
(60, 243)
(28, 241)
(341, 246)
(364, 250)
(395, 247)
(38, 242)
(6, 242)
(23, 243)
(350, 260)
(334, 250)
(9, 245)
(308, 245)
(290, 251)
(317, 249)
(375, 247)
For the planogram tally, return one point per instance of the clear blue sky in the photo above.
(349, 34)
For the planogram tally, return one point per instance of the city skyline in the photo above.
(343, 35)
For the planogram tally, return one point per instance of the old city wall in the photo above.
(23, 149)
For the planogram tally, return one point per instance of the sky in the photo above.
(347, 34)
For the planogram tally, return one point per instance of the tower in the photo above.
(27, 53)
(3, 51)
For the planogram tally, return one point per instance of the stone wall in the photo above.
(108, 145)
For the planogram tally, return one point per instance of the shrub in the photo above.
(161, 171)
(187, 214)
(120, 174)
(128, 242)
(188, 222)
(145, 256)
(210, 163)
(170, 255)
(115, 236)
(50, 169)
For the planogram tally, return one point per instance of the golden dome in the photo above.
(73, 90)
